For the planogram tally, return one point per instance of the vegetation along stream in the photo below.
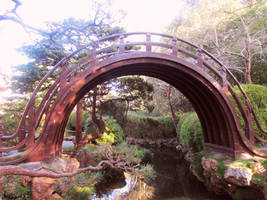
(173, 181)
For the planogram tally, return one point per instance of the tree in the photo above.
(136, 92)
(232, 30)
(48, 52)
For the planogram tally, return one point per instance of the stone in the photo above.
(42, 188)
(56, 196)
(209, 164)
(238, 176)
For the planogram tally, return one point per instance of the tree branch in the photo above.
(48, 172)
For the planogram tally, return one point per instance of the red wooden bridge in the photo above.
(203, 79)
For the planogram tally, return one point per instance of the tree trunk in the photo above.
(98, 122)
(174, 119)
(248, 62)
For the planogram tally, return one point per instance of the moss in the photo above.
(221, 168)
(242, 163)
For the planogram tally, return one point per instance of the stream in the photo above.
(174, 181)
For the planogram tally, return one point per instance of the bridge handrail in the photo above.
(95, 49)
(247, 100)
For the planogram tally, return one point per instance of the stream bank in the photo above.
(173, 181)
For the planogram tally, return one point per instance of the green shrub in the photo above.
(116, 109)
(12, 113)
(141, 126)
(79, 193)
(14, 190)
(113, 133)
(258, 97)
(189, 132)
(72, 120)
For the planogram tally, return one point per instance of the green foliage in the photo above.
(106, 139)
(147, 173)
(197, 166)
(79, 193)
(140, 126)
(113, 133)
(136, 90)
(12, 112)
(14, 190)
(72, 120)
(258, 97)
(221, 27)
(89, 177)
(221, 168)
(116, 109)
(190, 133)
(112, 127)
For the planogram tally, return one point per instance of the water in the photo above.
(174, 181)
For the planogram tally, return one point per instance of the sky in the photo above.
(140, 15)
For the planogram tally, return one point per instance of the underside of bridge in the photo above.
(208, 99)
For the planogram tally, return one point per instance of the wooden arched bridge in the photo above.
(203, 79)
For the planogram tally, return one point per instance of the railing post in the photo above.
(199, 60)
(223, 76)
(148, 42)
(174, 47)
(122, 46)
(93, 57)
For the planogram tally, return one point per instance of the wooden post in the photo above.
(78, 133)
(174, 47)
(223, 76)
(199, 60)
(148, 42)
(121, 47)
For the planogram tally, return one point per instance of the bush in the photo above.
(116, 109)
(258, 97)
(113, 133)
(189, 132)
(72, 120)
(12, 113)
(141, 126)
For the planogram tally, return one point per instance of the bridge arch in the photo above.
(208, 99)
(195, 72)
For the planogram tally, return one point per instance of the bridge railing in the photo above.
(138, 42)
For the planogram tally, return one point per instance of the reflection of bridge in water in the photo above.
(204, 80)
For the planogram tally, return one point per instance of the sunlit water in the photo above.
(174, 181)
